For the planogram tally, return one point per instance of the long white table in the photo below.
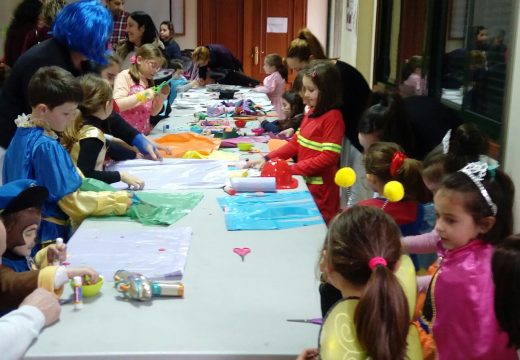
(231, 310)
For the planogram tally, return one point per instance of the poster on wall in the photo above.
(351, 15)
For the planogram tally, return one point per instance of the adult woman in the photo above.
(354, 86)
(140, 30)
(171, 48)
(218, 64)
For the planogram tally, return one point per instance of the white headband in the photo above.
(476, 171)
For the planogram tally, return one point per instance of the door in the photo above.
(258, 42)
(241, 25)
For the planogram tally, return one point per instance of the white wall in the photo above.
(189, 39)
(512, 127)
(317, 19)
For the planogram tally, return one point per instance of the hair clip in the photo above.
(313, 74)
(133, 59)
(477, 171)
(446, 142)
(397, 162)
(492, 164)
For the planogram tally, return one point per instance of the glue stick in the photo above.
(78, 293)
(59, 245)
(167, 288)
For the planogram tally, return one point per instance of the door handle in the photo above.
(256, 55)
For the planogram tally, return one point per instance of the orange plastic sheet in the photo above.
(275, 144)
(182, 142)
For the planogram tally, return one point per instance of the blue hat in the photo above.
(21, 194)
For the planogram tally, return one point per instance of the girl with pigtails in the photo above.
(361, 257)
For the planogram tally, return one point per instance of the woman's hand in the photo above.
(134, 183)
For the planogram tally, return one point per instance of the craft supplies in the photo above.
(242, 252)
(254, 184)
(78, 293)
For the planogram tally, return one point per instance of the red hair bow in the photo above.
(397, 161)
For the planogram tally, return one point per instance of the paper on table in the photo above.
(156, 252)
(172, 174)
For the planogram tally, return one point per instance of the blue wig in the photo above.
(85, 26)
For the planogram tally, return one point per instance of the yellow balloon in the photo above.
(345, 177)
(393, 191)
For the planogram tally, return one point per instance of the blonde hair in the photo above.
(146, 52)
(200, 54)
(96, 93)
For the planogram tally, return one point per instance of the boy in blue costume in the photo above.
(35, 153)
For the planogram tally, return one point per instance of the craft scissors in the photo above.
(317, 321)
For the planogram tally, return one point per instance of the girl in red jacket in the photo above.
(317, 144)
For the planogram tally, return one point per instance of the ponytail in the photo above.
(410, 175)
(305, 46)
(364, 247)
(279, 63)
(382, 317)
(70, 135)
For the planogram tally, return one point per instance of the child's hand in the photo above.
(166, 149)
(308, 354)
(56, 253)
(83, 272)
(257, 163)
(134, 183)
(287, 132)
(165, 90)
(194, 84)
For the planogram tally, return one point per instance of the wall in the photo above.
(394, 40)
(189, 39)
(512, 128)
(317, 19)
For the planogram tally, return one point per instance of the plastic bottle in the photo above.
(78, 293)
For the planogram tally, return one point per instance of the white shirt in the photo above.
(18, 329)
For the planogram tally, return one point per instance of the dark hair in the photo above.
(297, 83)
(176, 64)
(279, 63)
(466, 144)
(502, 192)
(506, 272)
(324, 76)
(169, 24)
(382, 316)
(150, 33)
(296, 102)
(378, 158)
(305, 46)
(387, 119)
(53, 86)
(26, 12)
(410, 65)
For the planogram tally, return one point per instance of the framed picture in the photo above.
(457, 19)
(177, 16)
(159, 10)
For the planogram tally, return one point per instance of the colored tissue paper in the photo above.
(270, 211)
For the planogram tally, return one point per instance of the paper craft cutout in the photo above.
(242, 252)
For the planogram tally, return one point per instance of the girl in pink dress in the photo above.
(132, 88)
(274, 83)
(474, 212)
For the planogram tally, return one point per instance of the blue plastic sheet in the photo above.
(270, 211)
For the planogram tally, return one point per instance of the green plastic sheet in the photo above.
(151, 208)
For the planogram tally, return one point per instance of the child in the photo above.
(413, 82)
(474, 212)
(35, 152)
(384, 162)
(318, 142)
(16, 198)
(178, 84)
(84, 138)
(171, 48)
(506, 272)
(135, 100)
(274, 83)
(22, 218)
(111, 69)
(361, 254)
(292, 109)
